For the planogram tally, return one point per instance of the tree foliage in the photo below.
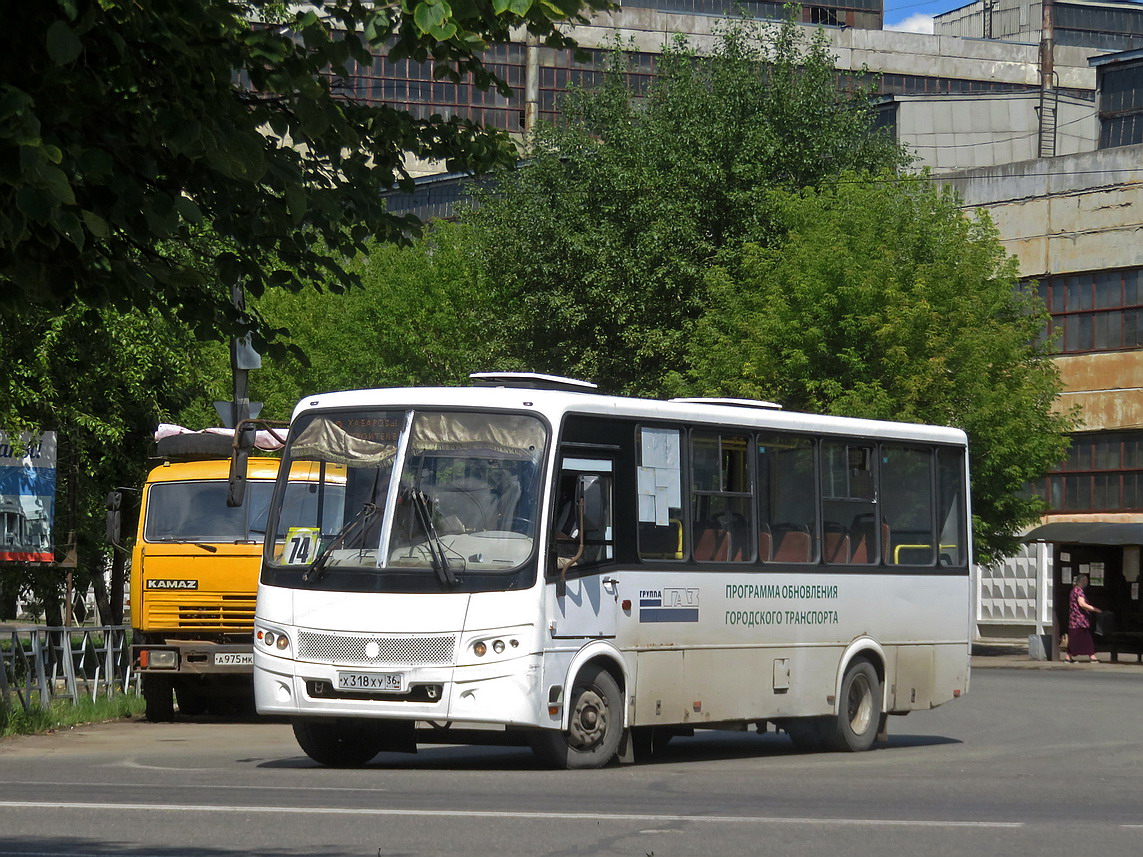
(419, 317)
(130, 128)
(597, 250)
(883, 300)
(102, 380)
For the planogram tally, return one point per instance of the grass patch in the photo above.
(14, 720)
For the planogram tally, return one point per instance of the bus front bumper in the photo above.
(504, 693)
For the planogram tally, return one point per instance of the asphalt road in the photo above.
(1029, 763)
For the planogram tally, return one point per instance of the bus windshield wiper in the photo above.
(437, 557)
(315, 571)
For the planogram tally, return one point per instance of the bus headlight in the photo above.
(273, 639)
(493, 647)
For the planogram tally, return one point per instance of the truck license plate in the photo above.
(233, 659)
(371, 682)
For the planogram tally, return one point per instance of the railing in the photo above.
(43, 664)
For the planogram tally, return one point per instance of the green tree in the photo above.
(884, 300)
(131, 128)
(597, 250)
(102, 380)
(419, 317)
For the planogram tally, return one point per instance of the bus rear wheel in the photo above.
(337, 743)
(858, 718)
(595, 724)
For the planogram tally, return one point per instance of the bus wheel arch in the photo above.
(594, 718)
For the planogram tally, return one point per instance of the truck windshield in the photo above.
(197, 512)
(427, 490)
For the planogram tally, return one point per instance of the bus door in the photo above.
(583, 551)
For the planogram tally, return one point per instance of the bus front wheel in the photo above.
(595, 724)
(858, 718)
(336, 744)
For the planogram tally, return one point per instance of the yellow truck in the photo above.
(194, 577)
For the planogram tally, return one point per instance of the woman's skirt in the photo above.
(1080, 642)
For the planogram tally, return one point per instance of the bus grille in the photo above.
(342, 649)
(220, 613)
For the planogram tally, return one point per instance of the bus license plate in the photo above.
(371, 682)
(234, 659)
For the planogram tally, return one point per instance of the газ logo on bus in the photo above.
(172, 584)
(669, 604)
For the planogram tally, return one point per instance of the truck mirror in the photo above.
(114, 517)
(236, 490)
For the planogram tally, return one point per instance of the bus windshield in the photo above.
(435, 491)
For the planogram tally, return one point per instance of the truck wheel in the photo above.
(595, 724)
(337, 743)
(159, 698)
(191, 702)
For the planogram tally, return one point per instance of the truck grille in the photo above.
(351, 649)
(197, 612)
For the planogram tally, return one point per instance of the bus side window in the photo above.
(582, 532)
(787, 505)
(660, 480)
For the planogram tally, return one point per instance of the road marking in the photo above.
(530, 816)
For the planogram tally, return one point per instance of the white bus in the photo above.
(596, 574)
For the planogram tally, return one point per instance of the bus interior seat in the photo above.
(835, 543)
(737, 530)
(712, 543)
(864, 551)
(765, 543)
(794, 544)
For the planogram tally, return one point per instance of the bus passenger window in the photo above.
(848, 504)
(660, 513)
(907, 504)
(721, 499)
(953, 550)
(787, 506)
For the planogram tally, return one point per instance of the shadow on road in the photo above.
(80, 846)
(710, 746)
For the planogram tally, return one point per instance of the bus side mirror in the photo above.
(115, 518)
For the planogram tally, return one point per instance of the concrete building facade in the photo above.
(1075, 223)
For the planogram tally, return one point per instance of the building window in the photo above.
(1102, 473)
(1120, 104)
(1096, 310)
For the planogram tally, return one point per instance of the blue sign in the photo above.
(27, 497)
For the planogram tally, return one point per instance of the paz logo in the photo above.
(669, 604)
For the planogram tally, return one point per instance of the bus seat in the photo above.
(864, 550)
(737, 533)
(835, 544)
(794, 546)
(712, 543)
(765, 543)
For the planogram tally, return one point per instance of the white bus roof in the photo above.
(554, 404)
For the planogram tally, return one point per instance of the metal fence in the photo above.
(44, 664)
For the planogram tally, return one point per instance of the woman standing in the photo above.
(1080, 641)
